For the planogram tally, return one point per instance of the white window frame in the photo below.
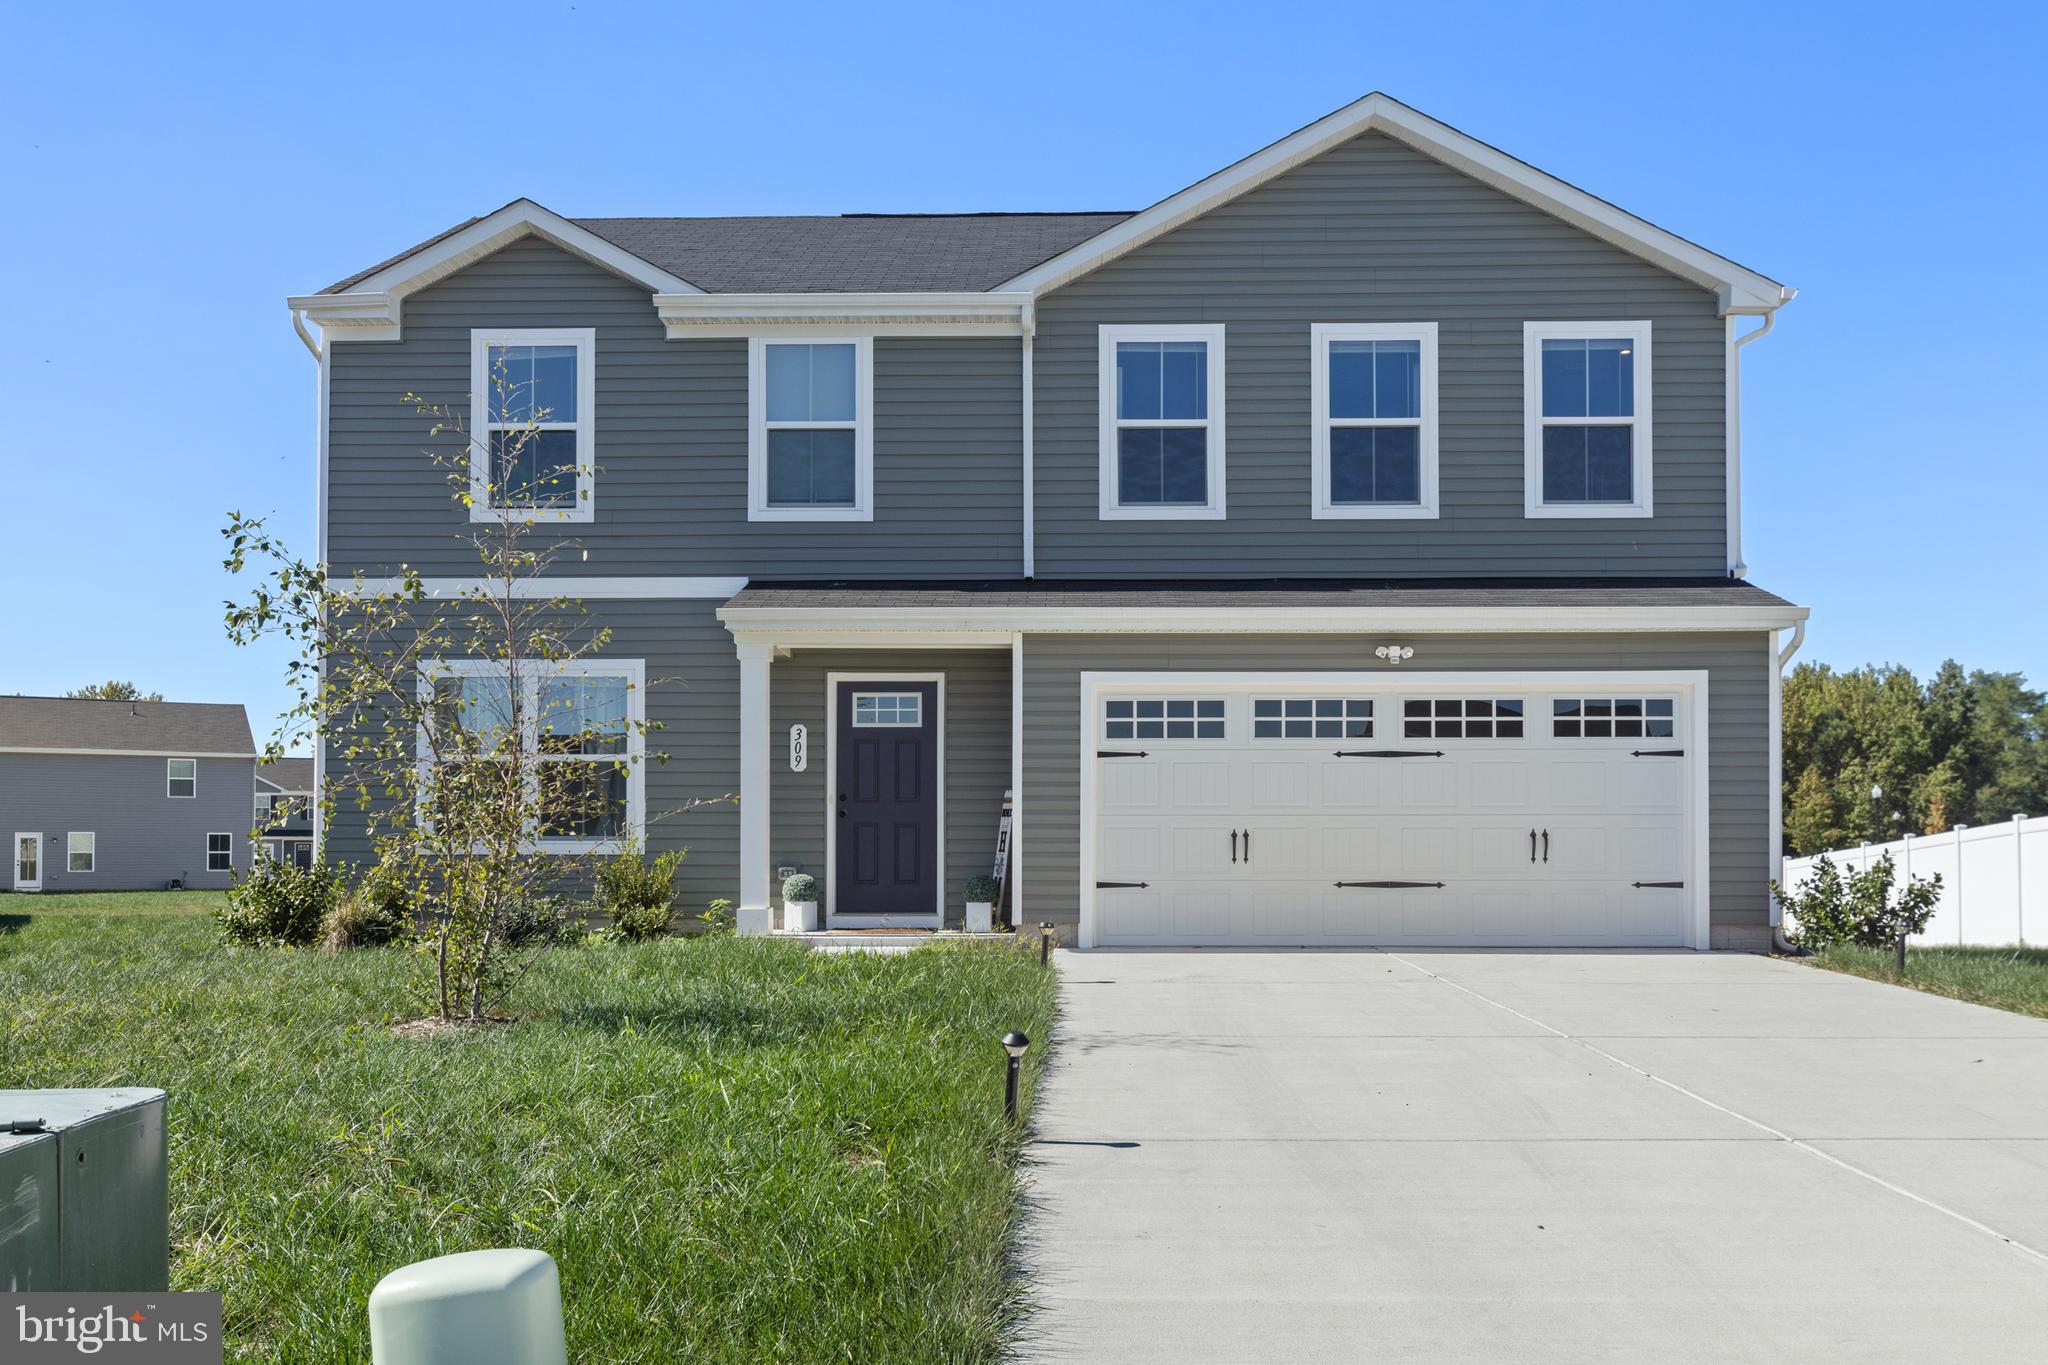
(531, 672)
(1534, 334)
(72, 850)
(1107, 337)
(1321, 334)
(229, 854)
(584, 339)
(863, 508)
(192, 795)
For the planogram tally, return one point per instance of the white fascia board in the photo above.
(541, 589)
(784, 624)
(1738, 288)
(125, 753)
(952, 313)
(371, 308)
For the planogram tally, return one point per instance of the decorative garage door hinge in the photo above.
(1656, 753)
(1390, 753)
(1674, 886)
(1390, 886)
(1119, 886)
(1121, 753)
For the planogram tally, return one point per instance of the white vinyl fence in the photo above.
(1994, 880)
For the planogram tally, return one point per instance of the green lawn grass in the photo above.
(736, 1150)
(2013, 979)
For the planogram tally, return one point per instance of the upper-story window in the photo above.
(532, 423)
(1373, 388)
(810, 447)
(1586, 402)
(1161, 400)
(181, 777)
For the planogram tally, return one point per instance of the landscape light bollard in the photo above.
(500, 1307)
(1014, 1044)
(1044, 943)
(1876, 816)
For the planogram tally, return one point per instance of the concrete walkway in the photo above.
(1512, 1156)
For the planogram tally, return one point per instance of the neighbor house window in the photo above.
(1161, 404)
(181, 777)
(576, 731)
(220, 853)
(811, 440)
(79, 848)
(1373, 395)
(532, 420)
(1586, 410)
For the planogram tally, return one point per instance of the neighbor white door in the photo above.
(1480, 814)
(28, 862)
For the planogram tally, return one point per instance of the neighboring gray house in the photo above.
(123, 795)
(284, 810)
(1344, 549)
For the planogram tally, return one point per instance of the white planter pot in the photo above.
(800, 917)
(980, 917)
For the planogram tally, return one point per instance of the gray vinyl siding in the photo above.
(1738, 722)
(1373, 231)
(977, 720)
(693, 697)
(670, 443)
(145, 838)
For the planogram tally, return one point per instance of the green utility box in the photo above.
(84, 1191)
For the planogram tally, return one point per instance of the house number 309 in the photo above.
(799, 748)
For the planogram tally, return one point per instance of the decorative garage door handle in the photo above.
(1233, 846)
(1672, 885)
(1121, 753)
(1390, 753)
(1532, 845)
(1390, 886)
(1546, 845)
(1656, 753)
(1120, 886)
(1247, 848)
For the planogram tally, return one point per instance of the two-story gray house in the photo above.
(1343, 550)
(123, 795)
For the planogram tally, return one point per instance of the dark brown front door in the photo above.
(887, 777)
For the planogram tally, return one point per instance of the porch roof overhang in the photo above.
(970, 614)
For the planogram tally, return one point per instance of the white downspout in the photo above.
(299, 326)
(1779, 658)
(1733, 380)
(1028, 319)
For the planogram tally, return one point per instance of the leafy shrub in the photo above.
(718, 918)
(638, 894)
(377, 909)
(541, 919)
(279, 904)
(983, 888)
(1829, 908)
(802, 887)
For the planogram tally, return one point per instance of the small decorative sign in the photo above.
(799, 748)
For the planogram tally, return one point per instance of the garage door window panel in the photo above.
(1312, 718)
(1613, 718)
(1164, 718)
(1462, 718)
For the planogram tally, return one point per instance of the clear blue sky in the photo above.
(172, 173)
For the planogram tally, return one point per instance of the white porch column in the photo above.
(755, 915)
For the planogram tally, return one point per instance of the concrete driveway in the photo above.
(1516, 1156)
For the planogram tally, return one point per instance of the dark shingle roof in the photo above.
(851, 254)
(288, 774)
(1272, 592)
(191, 727)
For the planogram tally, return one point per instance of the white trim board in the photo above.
(569, 589)
(1738, 288)
(1693, 683)
(372, 309)
(123, 753)
(937, 918)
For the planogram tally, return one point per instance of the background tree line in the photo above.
(1962, 749)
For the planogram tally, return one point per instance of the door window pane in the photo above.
(888, 709)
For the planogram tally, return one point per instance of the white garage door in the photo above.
(1471, 814)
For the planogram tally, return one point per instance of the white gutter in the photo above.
(299, 326)
(1732, 380)
(1028, 319)
(1779, 658)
